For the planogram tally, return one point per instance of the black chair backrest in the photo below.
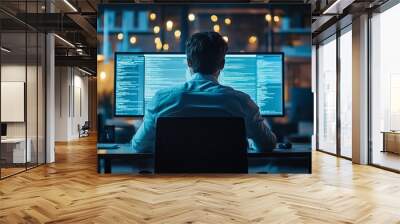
(201, 145)
(86, 125)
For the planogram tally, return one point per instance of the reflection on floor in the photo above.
(386, 159)
(71, 191)
(8, 170)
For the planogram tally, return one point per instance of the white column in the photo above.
(50, 98)
(360, 90)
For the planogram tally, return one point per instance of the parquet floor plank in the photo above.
(71, 191)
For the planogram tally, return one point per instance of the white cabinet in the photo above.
(19, 155)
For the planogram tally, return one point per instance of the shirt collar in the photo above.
(200, 76)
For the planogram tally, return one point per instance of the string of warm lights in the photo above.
(169, 27)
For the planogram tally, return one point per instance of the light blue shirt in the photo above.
(203, 96)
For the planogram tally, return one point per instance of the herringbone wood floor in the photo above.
(70, 191)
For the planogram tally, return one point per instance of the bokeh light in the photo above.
(216, 28)
(169, 25)
(165, 47)
(268, 17)
(133, 40)
(153, 16)
(191, 17)
(252, 39)
(120, 36)
(156, 29)
(177, 34)
(214, 18)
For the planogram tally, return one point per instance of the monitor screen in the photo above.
(138, 76)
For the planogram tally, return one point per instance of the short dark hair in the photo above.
(206, 52)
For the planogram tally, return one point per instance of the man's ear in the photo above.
(189, 62)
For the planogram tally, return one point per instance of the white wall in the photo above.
(16, 73)
(71, 102)
(33, 126)
(62, 82)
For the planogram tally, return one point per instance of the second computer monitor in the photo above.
(139, 76)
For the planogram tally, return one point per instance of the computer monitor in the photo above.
(138, 76)
(3, 130)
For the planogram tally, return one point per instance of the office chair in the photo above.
(200, 145)
(84, 129)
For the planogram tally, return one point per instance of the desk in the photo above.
(17, 149)
(301, 151)
(391, 141)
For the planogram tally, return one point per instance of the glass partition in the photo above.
(327, 96)
(22, 77)
(385, 89)
(14, 153)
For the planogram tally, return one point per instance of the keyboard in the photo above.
(107, 146)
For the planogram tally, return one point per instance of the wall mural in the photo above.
(246, 27)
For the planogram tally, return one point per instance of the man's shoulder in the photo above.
(243, 98)
(237, 93)
(169, 92)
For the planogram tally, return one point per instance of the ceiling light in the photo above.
(84, 71)
(276, 19)
(70, 5)
(228, 21)
(64, 40)
(5, 50)
(157, 40)
(333, 7)
(226, 39)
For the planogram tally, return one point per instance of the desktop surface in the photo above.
(294, 160)
(110, 148)
(139, 76)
